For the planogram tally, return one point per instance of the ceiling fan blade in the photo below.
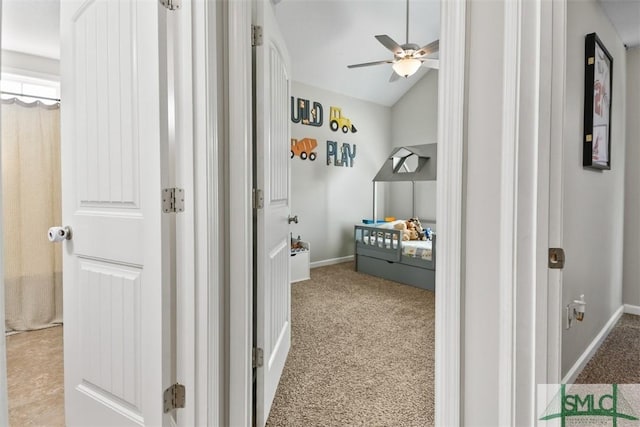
(390, 44)
(432, 47)
(394, 77)
(367, 64)
(431, 63)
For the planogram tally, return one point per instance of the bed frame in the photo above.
(384, 260)
(404, 164)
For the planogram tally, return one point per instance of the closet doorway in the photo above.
(31, 204)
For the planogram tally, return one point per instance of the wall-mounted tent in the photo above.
(407, 164)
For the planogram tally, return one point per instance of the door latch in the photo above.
(556, 258)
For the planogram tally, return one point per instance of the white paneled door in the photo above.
(273, 142)
(117, 359)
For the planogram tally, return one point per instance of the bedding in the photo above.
(410, 248)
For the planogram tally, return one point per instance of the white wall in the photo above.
(593, 200)
(631, 288)
(414, 120)
(329, 200)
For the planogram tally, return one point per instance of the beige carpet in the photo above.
(362, 353)
(35, 378)
(617, 361)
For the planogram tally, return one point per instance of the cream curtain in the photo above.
(31, 204)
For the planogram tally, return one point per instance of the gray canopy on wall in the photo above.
(410, 163)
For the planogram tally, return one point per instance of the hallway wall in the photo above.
(631, 287)
(593, 199)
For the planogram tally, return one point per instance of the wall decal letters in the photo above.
(344, 156)
(306, 113)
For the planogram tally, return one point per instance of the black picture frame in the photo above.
(598, 85)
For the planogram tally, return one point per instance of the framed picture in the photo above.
(598, 84)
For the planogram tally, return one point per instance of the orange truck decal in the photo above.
(304, 148)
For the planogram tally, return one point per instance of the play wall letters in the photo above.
(340, 157)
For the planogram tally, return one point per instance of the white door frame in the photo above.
(208, 132)
(555, 173)
(4, 404)
(449, 211)
(530, 326)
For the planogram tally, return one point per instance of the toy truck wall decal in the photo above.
(338, 121)
(304, 148)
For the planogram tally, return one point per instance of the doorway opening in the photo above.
(31, 204)
(331, 172)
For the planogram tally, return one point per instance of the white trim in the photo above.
(239, 146)
(33, 66)
(208, 393)
(451, 119)
(181, 60)
(4, 395)
(592, 348)
(508, 212)
(331, 261)
(632, 309)
(552, 317)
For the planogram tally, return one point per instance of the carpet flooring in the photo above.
(362, 353)
(617, 361)
(35, 378)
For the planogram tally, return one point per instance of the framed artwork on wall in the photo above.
(598, 85)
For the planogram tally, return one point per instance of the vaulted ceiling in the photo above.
(625, 16)
(324, 36)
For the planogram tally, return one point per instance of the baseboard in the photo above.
(331, 261)
(632, 309)
(593, 347)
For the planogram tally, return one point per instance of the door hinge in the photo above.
(256, 35)
(174, 397)
(257, 357)
(258, 199)
(171, 4)
(172, 200)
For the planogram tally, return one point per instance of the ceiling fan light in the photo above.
(406, 66)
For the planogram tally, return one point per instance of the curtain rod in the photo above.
(30, 96)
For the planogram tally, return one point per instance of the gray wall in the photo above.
(330, 200)
(593, 200)
(414, 120)
(631, 288)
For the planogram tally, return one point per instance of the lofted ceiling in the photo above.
(324, 36)
(625, 16)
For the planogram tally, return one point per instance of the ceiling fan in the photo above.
(407, 58)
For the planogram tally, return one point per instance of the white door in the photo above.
(273, 293)
(116, 280)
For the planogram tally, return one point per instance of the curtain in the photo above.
(31, 204)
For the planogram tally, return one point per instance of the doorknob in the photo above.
(293, 219)
(58, 234)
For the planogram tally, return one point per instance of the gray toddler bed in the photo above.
(379, 249)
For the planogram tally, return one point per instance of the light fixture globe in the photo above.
(406, 67)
